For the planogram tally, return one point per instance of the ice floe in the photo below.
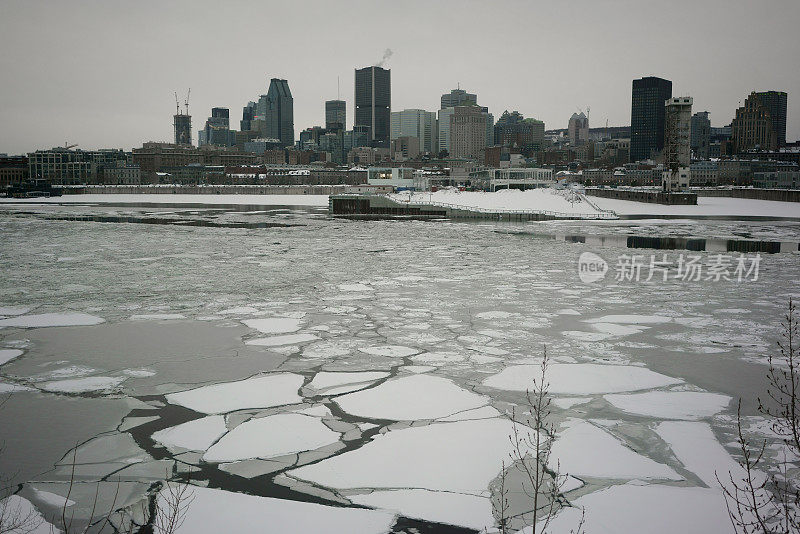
(276, 341)
(274, 325)
(671, 404)
(410, 398)
(631, 319)
(461, 457)
(580, 378)
(256, 392)
(214, 510)
(13, 310)
(158, 317)
(655, 509)
(326, 379)
(699, 451)
(458, 509)
(52, 319)
(583, 449)
(617, 329)
(494, 315)
(196, 435)
(390, 351)
(6, 355)
(89, 384)
(271, 436)
(355, 287)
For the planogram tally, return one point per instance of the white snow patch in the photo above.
(83, 385)
(51, 499)
(256, 392)
(617, 329)
(13, 310)
(326, 379)
(271, 436)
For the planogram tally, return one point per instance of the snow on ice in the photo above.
(256, 392)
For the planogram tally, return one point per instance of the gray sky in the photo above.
(102, 73)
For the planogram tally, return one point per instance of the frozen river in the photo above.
(352, 376)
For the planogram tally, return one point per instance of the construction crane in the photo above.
(177, 106)
(186, 102)
(67, 146)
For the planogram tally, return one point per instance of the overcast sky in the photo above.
(103, 73)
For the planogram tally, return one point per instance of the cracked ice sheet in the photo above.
(630, 319)
(609, 458)
(257, 392)
(390, 351)
(271, 436)
(83, 385)
(461, 457)
(580, 378)
(326, 379)
(52, 319)
(671, 404)
(656, 509)
(214, 510)
(438, 506)
(410, 398)
(274, 325)
(197, 435)
(699, 451)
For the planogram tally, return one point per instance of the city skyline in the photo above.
(62, 86)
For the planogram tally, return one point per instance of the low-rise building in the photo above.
(397, 177)
(777, 179)
(704, 174)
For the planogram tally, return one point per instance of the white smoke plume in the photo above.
(386, 55)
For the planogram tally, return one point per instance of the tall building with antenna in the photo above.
(182, 122)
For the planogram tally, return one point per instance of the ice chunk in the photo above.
(51, 499)
(581, 378)
(462, 457)
(268, 437)
(241, 310)
(327, 379)
(411, 397)
(630, 319)
(699, 451)
(6, 355)
(458, 509)
(256, 392)
(197, 435)
(139, 373)
(655, 509)
(52, 319)
(83, 385)
(13, 310)
(390, 351)
(609, 457)
(274, 325)
(7, 387)
(158, 317)
(617, 329)
(671, 404)
(438, 357)
(275, 341)
(214, 510)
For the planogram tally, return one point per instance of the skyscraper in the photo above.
(276, 109)
(775, 102)
(458, 97)
(701, 134)
(183, 129)
(217, 130)
(468, 132)
(248, 114)
(373, 100)
(578, 129)
(677, 143)
(753, 126)
(335, 115)
(416, 123)
(513, 130)
(647, 116)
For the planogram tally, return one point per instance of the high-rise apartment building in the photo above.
(276, 111)
(335, 115)
(754, 126)
(647, 116)
(373, 103)
(578, 129)
(458, 97)
(468, 132)
(701, 135)
(677, 143)
(775, 102)
(416, 123)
